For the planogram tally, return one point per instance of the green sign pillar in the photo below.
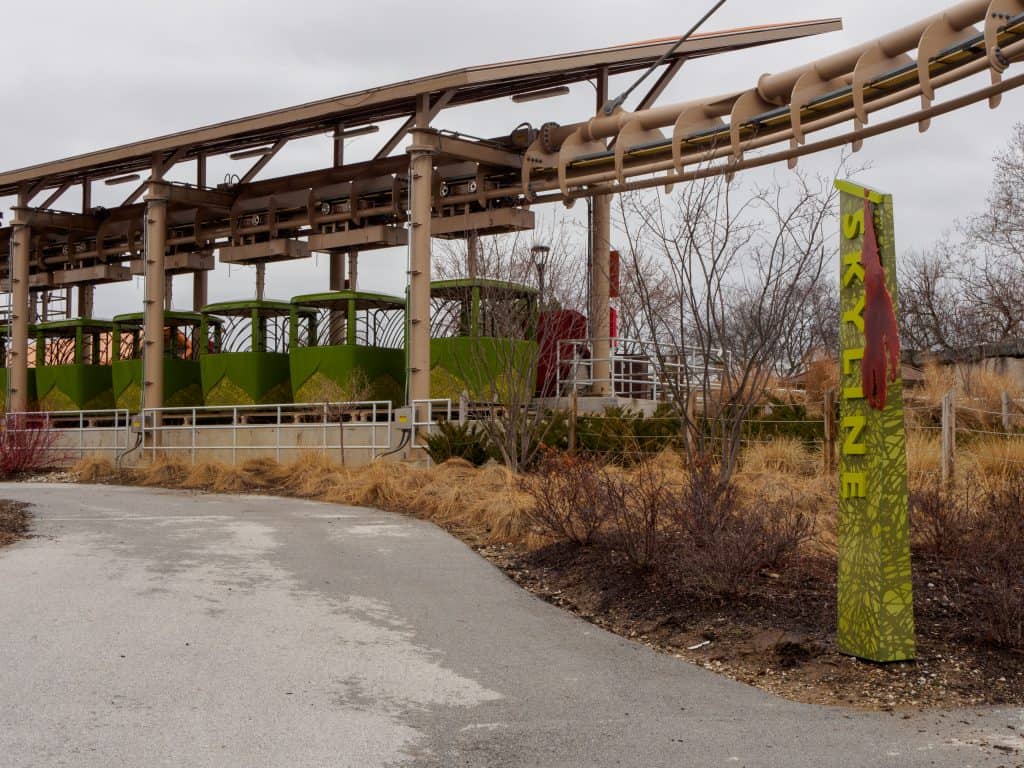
(876, 611)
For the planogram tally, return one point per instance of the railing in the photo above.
(427, 409)
(263, 429)
(425, 416)
(640, 370)
(78, 433)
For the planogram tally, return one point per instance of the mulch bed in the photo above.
(779, 636)
(14, 522)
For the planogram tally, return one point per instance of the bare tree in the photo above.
(1000, 227)
(812, 329)
(934, 314)
(968, 288)
(739, 265)
(508, 257)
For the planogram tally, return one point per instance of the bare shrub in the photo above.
(940, 522)
(569, 500)
(700, 532)
(974, 541)
(637, 505)
(26, 444)
(723, 543)
(996, 562)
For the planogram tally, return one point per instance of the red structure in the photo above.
(553, 328)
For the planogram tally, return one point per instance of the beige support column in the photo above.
(473, 256)
(353, 270)
(86, 300)
(200, 290)
(600, 317)
(600, 270)
(153, 331)
(261, 281)
(21, 238)
(336, 329)
(421, 170)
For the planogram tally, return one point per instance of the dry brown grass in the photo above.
(164, 472)
(987, 386)
(94, 469)
(938, 380)
(488, 501)
(785, 455)
(822, 375)
(491, 504)
(978, 392)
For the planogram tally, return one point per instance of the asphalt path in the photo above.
(156, 628)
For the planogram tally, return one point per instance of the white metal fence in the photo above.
(426, 413)
(76, 433)
(240, 432)
(637, 369)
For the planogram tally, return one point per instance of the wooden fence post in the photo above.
(948, 437)
(829, 414)
(1007, 418)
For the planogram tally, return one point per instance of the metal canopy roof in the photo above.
(468, 85)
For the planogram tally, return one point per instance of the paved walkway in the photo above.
(152, 628)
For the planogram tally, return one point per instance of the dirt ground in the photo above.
(779, 637)
(14, 522)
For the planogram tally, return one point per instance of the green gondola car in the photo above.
(5, 350)
(73, 371)
(250, 364)
(184, 341)
(483, 340)
(351, 350)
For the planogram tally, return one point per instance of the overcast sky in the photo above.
(84, 76)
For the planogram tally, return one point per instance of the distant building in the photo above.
(1005, 358)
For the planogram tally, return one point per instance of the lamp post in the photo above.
(539, 253)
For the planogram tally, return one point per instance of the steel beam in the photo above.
(153, 329)
(192, 197)
(477, 152)
(260, 164)
(421, 118)
(57, 220)
(21, 236)
(493, 221)
(659, 87)
(94, 275)
(56, 195)
(179, 263)
(261, 253)
(364, 238)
